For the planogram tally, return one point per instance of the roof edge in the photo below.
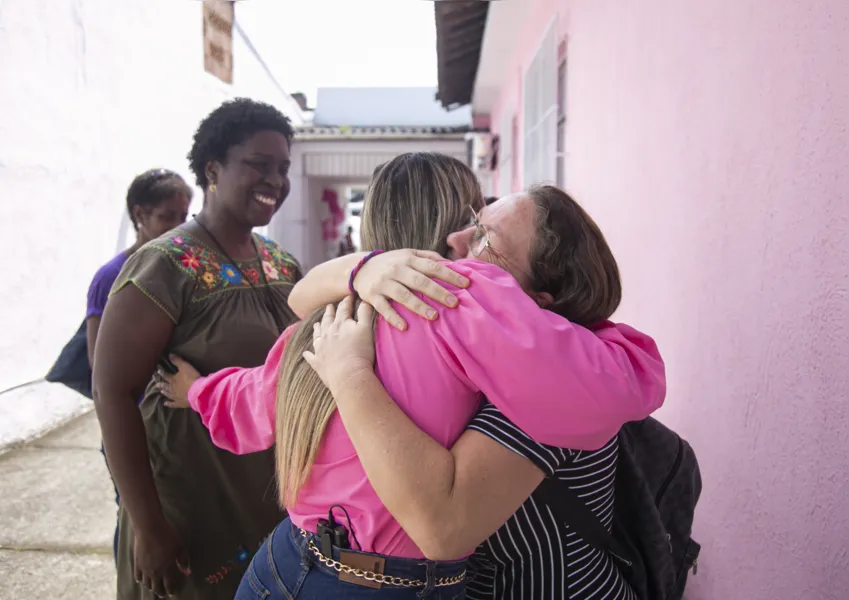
(460, 26)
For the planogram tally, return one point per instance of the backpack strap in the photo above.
(570, 509)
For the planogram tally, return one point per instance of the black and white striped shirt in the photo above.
(532, 556)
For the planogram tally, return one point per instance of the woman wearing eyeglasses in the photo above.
(496, 341)
(477, 495)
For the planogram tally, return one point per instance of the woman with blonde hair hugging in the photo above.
(557, 380)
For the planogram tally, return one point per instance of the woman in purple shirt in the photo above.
(157, 202)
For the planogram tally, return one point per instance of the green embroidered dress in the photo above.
(222, 504)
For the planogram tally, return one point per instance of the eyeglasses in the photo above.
(481, 241)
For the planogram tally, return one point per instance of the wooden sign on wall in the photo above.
(218, 18)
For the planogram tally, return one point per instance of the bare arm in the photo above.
(389, 276)
(92, 325)
(323, 284)
(448, 501)
(133, 334)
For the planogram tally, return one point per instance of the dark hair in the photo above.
(229, 125)
(152, 187)
(570, 259)
(489, 200)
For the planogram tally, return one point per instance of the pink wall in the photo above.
(711, 142)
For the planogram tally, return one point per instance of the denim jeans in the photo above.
(285, 568)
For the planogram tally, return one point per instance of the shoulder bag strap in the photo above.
(570, 509)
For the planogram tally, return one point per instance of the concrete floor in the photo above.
(57, 517)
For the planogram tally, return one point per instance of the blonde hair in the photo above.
(413, 201)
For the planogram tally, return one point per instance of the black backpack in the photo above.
(658, 484)
(72, 368)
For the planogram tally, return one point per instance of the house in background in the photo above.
(709, 142)
(353, 130)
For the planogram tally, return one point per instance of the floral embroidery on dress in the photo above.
(190, 261)
(270, 271)
(231, 274)
(243, 555)
(203, 264)
(253, 276)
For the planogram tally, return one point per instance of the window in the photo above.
(561, 124)
(505, 152)
(540, 116)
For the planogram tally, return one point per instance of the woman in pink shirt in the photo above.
(497, 342)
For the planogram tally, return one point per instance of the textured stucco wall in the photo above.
(95, 91)
(711, 142)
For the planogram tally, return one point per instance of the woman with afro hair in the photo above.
(216, 293)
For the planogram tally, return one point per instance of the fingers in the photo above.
(183, 565)
(309, 357)
(365, 313)
(184, 367)
(163, 377)
(154, 584)
(316, 333)
(171, 581)
(345, 309)
(385, 310)
(327, 318)
(435, 256)
(403, 296)
(437, 270)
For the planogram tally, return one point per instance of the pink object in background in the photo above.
(329, 231)
(332, 199)
(330, 225)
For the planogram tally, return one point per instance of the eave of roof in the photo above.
(389, 132)
(459, 37)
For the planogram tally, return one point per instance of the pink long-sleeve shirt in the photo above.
(564, 385)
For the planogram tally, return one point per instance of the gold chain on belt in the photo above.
(379, 577)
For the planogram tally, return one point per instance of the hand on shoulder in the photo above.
(399, 275)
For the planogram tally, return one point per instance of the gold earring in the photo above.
(212, 187)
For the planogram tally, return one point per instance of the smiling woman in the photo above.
(212, 291)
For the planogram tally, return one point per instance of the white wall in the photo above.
(95, 91)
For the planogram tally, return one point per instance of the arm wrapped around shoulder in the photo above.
(563, 384)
